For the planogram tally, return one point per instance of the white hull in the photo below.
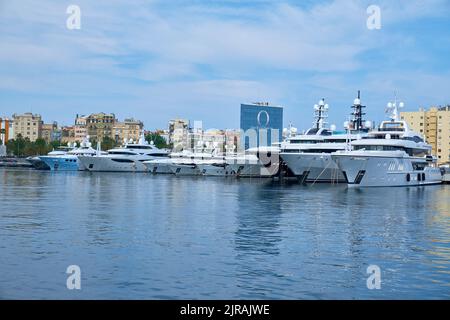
(378, 171)
(109, 164)
(214, 170)
(161, 168)
(185, 169)
(313, 167)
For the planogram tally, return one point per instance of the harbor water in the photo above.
(143, 236)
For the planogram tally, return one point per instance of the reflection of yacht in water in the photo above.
(308, 155)
(393, 155)
(69, 161)
(128, 158)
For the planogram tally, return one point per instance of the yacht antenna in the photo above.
(320, 114)
(393, 108)
(357, 121)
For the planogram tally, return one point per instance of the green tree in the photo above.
(108, 143)
(159, 141)
(40, 146)
(16, 146)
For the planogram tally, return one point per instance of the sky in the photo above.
(199, 60)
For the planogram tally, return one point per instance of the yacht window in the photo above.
(139, 147)
(122, 160)
(122, 152)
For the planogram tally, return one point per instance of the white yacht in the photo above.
(169, 165)
(393, 155)
(128, 158)
(188, 164)
(37, 162)
(68, 161)
(308, 155)
(259, 162)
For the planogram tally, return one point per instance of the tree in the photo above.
(40, 146)
(16, 146)
(108, 143)
(159, 141)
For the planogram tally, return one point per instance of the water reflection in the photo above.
(145, 236)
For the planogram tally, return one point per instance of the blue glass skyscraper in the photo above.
(261, 124)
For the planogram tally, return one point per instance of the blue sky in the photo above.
(158, 60)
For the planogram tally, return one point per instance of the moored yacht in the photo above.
(259, 162)
(128, 158)
(393, 155)
(308, 155)
(188, 164)
(39, 164)
(69, 161)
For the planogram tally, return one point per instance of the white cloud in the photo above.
(189, 56)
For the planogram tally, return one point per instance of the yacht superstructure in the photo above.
(128, 158)
(393, 155)
(308, 155)
(69, 161)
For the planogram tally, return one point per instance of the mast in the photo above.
(393, 108)
(357, 121)
(320, 114)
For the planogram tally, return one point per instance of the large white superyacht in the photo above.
(308, 155)
(128, 158)
(393, 155)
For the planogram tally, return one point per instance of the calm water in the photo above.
(140, 236)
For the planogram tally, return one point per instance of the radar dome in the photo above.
(333, 127)
(346, 124)
(368, 124)
(357, 101)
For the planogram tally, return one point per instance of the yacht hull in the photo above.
(160, 168)
(375, 171)
(215, 170)
(38, 164)
(109, 164)
(185, 169)
(62, 163)
(313, 167)
(252, 170)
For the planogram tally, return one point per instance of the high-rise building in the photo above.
(434, 125)
(261, 124)
(27, 125)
